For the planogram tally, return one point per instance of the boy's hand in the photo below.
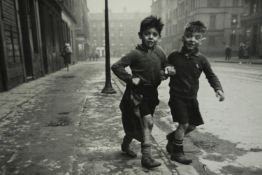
(163, 75)
(136, 81)
(220, 95)
(170, 70)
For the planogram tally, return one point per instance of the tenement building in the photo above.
(222, 17)
(123, 31)
(32, 36)
(252, 24)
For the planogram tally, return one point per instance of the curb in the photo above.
(238, 62)
(158, 136)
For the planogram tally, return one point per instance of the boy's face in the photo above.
(149, 37)
(192, 40)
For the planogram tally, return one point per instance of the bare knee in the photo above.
(148, 120)
(191, 127)
(183, 126)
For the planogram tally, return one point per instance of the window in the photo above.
(234, 20)
(248, 33)
(211, 40)
(253, 7)
(52, 30)
(233, 38)
(1, 9)
(235, 3)
(212, 23)
(213, 3)
(33, 25)
(260, 38)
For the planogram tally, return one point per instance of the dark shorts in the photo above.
(67, 59)
(185, 111)
(149, 102)
(147, 107)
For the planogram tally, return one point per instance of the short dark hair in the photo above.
(195, 26)
(151, 21)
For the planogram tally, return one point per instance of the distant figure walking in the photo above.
(96, 56)
(243, 51)
(228, 52)
(67, 51)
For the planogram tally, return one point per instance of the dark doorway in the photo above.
(1, 75)
(26, 31)
(2, 68)
(254, 41)
(42, 13)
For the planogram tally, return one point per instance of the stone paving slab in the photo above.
(160, 140)
(64, 126)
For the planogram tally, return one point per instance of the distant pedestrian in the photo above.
(246, 51)
(228, 52)
(96, 56)
(66, 53)
(188, 64)
(90, 56)
(241, 50)
(147, 63)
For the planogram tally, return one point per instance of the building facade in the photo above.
(221, 17)
(123, 30)
(82, 29)
(32, 36)
(12, 71)
(252, 24)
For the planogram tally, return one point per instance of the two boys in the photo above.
(148, 64)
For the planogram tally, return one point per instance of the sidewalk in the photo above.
(62, 124)
(237, 60)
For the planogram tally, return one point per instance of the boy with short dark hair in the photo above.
(147, 63)
(188, 64)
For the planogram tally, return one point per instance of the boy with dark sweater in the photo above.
(147, 63)
(187, 65)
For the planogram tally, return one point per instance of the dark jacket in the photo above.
(228, 51)
(145, 64)
(148, 65)
(185, 83)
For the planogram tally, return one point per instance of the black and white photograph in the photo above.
(130, 87)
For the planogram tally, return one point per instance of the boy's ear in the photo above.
(183, 38)
(139, 35)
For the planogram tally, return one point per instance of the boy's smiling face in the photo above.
(149, 37)
(192, 40)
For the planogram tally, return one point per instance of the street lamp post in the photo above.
(108, 89)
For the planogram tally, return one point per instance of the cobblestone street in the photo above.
(62, 124)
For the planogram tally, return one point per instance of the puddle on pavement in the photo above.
(223, 157)
(59, 121)
(63, 113)
(68, 76)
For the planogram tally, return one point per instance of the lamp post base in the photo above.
(108, 90)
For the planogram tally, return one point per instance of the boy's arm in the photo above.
(169, 69)
(119, 68)
(163, 59)
(213, 80)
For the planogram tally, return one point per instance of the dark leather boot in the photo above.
(147, 161)
(125, 147)
(170, 146)
(178, 155)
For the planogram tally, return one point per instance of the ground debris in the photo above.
(59, 121)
